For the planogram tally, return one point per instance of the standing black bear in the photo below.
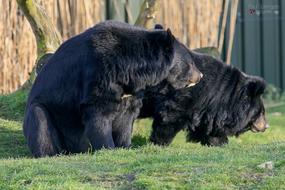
(77, 100)
(226, 102)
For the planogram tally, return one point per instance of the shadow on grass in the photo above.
(139, 140)
(12, 144)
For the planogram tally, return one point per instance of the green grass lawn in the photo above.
(145, 166)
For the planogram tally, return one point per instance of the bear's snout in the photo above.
(195, 77)
(260, 124)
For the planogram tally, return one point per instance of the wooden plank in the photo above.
(238, 42)
(226, 39)
(223, 25)
(232, 23)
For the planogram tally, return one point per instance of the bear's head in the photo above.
(249, 106)
(239, 108)
(183, 72)
(245, 112)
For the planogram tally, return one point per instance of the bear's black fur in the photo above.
(77, 100)
(226, 102)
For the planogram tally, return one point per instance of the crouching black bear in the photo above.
(78, 99)
(226, 102)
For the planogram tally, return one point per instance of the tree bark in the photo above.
(47, 37)
(148, 13)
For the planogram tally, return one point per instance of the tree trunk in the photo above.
(147, 14)
(47, 37)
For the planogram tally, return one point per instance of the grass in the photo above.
(145, 166)
(12, 106)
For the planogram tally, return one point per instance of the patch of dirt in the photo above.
(130, 177)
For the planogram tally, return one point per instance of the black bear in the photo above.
(80, 96)
(226, 102)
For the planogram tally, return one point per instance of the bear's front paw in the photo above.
(216, 141)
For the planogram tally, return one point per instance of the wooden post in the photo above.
(234, 7)
(223, 26)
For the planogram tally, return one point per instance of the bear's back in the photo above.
(85, 42)
(77, 57)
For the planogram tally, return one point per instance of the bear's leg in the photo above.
(163, 134)
(77, 141)
(122, 131)
(42, 136)
(216, 141)
(123, 123)
(98, 127)
(200, 136)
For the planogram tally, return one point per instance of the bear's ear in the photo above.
(170, 36)
(169, 40)
(164, 38)
(255, 86)
(158, 26)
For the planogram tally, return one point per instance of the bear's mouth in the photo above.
(259, 125)
(194, 81)
(257, 130)
(190, 85)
